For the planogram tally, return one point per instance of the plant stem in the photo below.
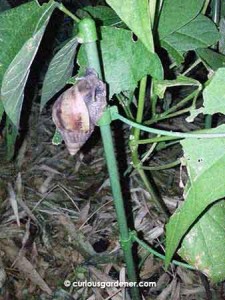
(134, 151)
(157, 254)
(148, 153)
(162, 146)
(156, 140)
(154, 99)
(125, 107)
(206, 4)
(193, 134)
(216, 11)
(197, 62)
(175, 114)
(67, 12)
(162, 167)
(155, 197)
(152, 8)
(141, 102)
(181, 103)
(167, 114)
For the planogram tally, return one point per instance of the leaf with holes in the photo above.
(135, 14)
(205, 164)
(16, 75)
(59, 71)
(202, 245)
(125, 61)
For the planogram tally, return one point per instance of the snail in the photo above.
(76, 112)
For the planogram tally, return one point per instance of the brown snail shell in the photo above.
(76, 112)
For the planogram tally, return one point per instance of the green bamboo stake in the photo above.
(125, 238)
(88, 36)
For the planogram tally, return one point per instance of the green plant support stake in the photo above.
(88, 36)
(125, 237)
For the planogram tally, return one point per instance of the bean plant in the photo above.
(147, 49)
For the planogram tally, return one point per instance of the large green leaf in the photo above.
(177, 13)
(59, 71)
(199, 33)
(211, 59)
(125, 61)
(17, 26)
(19, 61)
(213, 95)
(135, 14)
(205, 161)
(203, 246)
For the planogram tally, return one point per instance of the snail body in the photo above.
(76, 112)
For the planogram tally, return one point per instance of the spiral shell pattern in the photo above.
(76, 112)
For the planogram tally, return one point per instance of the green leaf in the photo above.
(59, 71)
(160, 86)
(15, 78)
(176, 55)
(205, 161)
(203, 246)
(57, 138)
(211, 59)
(125, 61)
(213, 95)
(17, 26)
(177, 13)
(135, 14)
(199, 33)
(104, 14)
(16, 75)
